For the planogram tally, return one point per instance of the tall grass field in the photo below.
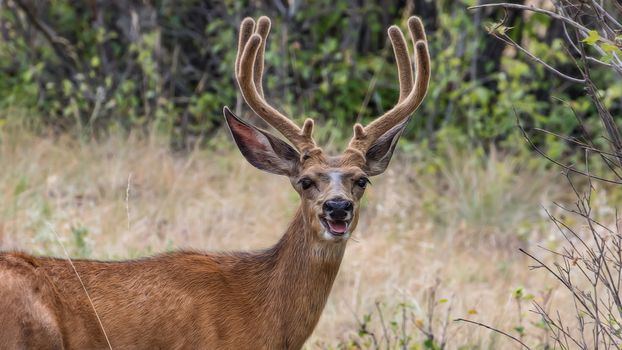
(438, 238)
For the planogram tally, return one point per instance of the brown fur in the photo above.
(270, 299)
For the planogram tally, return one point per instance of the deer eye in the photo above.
(362, 182)
(305, 183)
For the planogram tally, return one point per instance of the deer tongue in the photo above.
(337, 226)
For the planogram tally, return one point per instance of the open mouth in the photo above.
(335, 227)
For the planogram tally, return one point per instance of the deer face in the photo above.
(330, 187)
(330, 196)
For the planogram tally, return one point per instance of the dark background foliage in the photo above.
(96, 66)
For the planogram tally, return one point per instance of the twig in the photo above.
(494, 330)
(385, 332)
(565, 167)
(506, 39)
(81, 283)
(61, 45)
(127, 200)
(575, 141)
(534, 9)
(606, 14)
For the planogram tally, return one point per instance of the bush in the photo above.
(95, 66)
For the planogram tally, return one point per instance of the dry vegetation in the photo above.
(441, 230)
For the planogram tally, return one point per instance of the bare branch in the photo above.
(534, 9)
(494, 330)
(506, 39)
(565, 167)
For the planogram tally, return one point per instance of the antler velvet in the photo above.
(249, 67)
(249, 72)
(411, 93)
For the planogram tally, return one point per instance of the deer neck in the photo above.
(304, 271)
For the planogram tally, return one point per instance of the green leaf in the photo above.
(610, 48)
(95, 61)
(430, 344)
(518, 293)
(520, 330)
(497, 28)
(591, 38)
(542, 324)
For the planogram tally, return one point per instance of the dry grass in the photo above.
(456, 221)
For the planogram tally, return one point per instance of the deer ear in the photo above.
(379, 154)
(263, 150)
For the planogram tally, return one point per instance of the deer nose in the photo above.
(338, 209)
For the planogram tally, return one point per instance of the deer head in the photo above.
(330, 187)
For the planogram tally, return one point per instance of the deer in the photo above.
(265, 299)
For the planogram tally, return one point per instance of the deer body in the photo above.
(270, 299)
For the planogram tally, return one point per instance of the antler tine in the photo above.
(404, 65)
(247, 27)
(411, 94)
(415, 27)
(249, 72)
(263, 29)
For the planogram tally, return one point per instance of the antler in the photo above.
(249, 71)
(411, 93)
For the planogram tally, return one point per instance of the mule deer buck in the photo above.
(269, 299)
